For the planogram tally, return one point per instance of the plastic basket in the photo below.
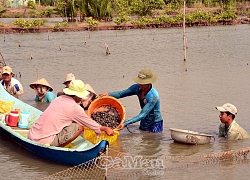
(91, 136)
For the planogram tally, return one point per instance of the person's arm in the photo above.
(132, 90)
(143, 113)
(19, 89)
(107, 130)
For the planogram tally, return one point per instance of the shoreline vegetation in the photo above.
(33, 18)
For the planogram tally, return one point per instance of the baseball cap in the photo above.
(227, 108)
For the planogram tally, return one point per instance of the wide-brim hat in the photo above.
(77, 88)
(69, 77)
(41, 82)
(145, 76)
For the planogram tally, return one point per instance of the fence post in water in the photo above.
(4, 35)
(48, 34)
(107, 48)
(184, 31)
(19, 45)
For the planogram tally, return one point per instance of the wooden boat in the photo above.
(79, 151)
(189, 137)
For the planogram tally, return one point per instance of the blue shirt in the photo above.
(49, 97)
(150, 106)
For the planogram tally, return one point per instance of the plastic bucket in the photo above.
(97, 105)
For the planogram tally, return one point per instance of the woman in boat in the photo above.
(63, 120)
(150, 116)
(43, 91)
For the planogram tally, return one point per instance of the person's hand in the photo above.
(120, 127)
(103, 94)
(108, 130)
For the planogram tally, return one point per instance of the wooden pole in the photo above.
(4, 63)
(184, 32)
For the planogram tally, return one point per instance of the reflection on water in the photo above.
(218, 71)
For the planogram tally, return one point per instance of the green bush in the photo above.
(31, 5)
(1, 24)
(92, 22)
(63, 24)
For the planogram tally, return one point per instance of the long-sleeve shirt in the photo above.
(14, 87)
(233, 132)
(150, 106)
(61, 112)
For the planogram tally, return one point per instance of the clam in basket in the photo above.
(190, 137)
(107, 111)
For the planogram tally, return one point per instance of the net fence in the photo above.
(114, 165)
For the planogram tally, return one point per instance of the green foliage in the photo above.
(122, 18)
(171, 7)
(91, 22)
(226, 15)
(2, 11)
(248, 13)
(1, 24)
(29, 23)
(31, 5)
(63, 24)
(32, 13)
(48, 12)
(145, 7)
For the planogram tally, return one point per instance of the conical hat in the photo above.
(89, 88)
(42, 82)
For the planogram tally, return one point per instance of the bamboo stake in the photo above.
(184, 31)
(19, 45)
(107, 48)
(4, 63)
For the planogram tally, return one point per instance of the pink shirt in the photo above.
(61, 112)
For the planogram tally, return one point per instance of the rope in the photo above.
(220, 48)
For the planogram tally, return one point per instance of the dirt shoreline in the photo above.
(83, 27)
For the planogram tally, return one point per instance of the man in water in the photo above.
(228, 127)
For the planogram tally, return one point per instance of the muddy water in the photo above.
(217, 71)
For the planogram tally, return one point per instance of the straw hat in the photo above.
(77, 88)
(89, 88)
(69, 77)
(42, 82)
(145, 76)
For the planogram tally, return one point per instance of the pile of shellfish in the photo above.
(107, 117)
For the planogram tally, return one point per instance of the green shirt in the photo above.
(234, 131)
